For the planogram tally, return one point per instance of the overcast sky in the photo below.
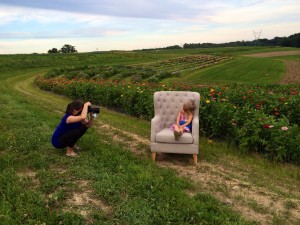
(28, 26)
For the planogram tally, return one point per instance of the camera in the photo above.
(93, 110)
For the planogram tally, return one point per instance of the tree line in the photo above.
(290, 41)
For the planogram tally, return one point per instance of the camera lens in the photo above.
(93, 109)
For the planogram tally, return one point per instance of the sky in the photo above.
(35, 26)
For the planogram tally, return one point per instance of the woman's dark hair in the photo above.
(77, 104)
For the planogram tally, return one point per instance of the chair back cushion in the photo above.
(168, 103)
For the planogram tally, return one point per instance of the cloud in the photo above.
(135, 24)
(253, 14)
(119, 8)
(10, 14)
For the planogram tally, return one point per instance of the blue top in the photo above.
(63, 128)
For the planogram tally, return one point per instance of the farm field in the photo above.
(114, 181)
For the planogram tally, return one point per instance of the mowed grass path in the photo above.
(39, 184)
(239, 69)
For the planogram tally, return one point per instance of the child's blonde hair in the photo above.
(186, 107)
(189, 106)
(192, 104)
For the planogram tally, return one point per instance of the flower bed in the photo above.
(263, 119)
(153, 72)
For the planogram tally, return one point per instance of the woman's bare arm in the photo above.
(81, 117)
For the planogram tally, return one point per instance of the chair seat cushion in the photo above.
(167, 136)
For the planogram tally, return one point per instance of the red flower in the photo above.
(276, 113)
(257, 106)
(295, 92)
(244, 97)
(266, 125)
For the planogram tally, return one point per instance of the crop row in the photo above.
(263, 119)
(152, 72)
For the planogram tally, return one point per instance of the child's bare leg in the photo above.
(181, 130)
(176, 132)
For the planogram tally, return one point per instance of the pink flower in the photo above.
(284, 128)
(271, 126)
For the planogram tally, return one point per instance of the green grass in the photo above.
(240, 69)
(36, 180)
(23, 61)
(138, 191)
(288, 57)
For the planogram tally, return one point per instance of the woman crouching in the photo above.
(72, 127)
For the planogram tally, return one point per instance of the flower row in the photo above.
(152, 72)
(263, 119)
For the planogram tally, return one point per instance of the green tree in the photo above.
(53, 50)
(68, 49)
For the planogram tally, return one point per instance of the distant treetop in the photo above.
(64, 49)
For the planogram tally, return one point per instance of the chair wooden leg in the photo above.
(153, 155)
(195, 157)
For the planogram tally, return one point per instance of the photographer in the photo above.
(73, 126)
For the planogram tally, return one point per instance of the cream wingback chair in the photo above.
(166, 107)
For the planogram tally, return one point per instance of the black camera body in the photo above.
(93, 110)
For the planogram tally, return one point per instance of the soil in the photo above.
(292, 75)
(272, 54)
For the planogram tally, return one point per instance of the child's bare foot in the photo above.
(176, 134)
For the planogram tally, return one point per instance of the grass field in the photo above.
(240, 69)
(114, 181)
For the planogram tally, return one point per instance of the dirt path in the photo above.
(272, 54)
(292, 75)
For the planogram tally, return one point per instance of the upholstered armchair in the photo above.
(166, 107)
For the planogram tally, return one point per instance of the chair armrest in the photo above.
(155, 127)
(195, 130)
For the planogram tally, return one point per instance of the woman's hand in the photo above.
(82, 116)
(88, 104)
